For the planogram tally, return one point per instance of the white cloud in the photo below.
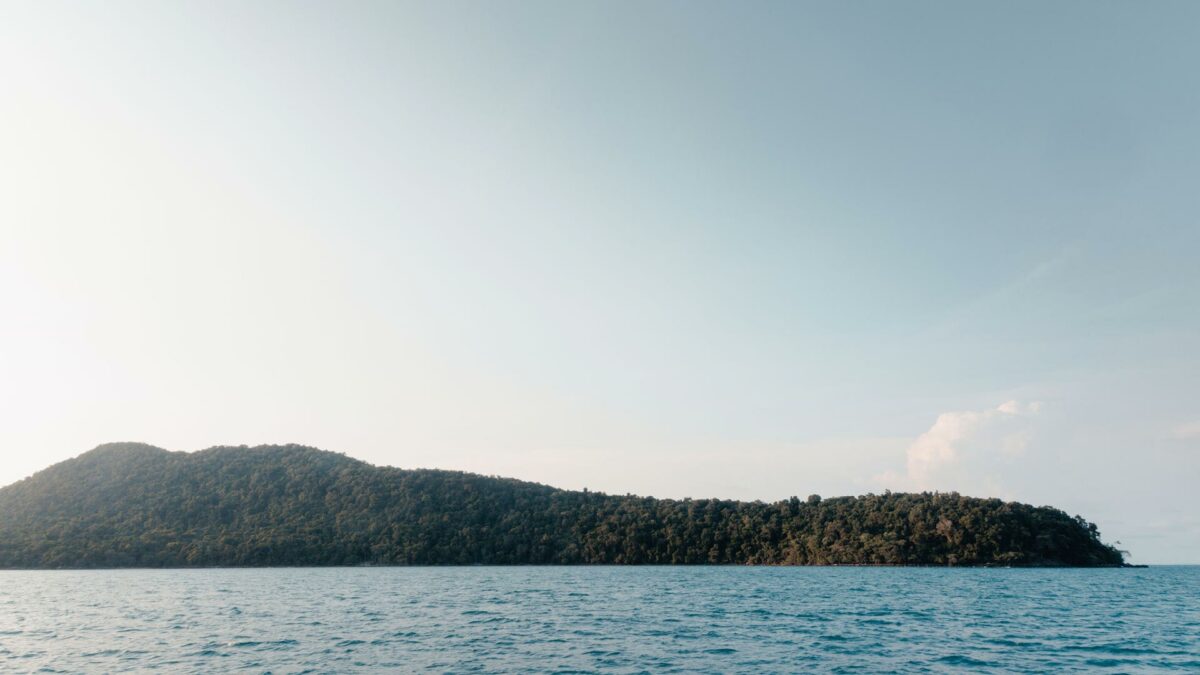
(1187, 430)
(962, 448)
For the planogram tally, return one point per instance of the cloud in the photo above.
(961, 448)
(1187, 430)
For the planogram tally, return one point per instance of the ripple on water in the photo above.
(570, 620)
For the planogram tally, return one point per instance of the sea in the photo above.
(602, 620)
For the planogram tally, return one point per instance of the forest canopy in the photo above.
(129, 504)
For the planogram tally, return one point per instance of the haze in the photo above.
(678, 249)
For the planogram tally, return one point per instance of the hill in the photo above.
(129, 504)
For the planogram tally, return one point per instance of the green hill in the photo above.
(129, 504)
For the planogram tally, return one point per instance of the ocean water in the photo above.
(602, 619)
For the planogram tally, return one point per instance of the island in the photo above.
(136, 505)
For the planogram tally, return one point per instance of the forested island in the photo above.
(135, 505)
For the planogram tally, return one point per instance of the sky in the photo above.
(677, 249)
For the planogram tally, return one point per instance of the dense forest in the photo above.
(128, 504)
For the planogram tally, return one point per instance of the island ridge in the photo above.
(135, 505)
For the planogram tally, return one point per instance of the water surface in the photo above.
(603, 619)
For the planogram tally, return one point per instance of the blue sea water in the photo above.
(602, 619)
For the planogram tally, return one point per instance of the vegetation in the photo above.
(136, 505)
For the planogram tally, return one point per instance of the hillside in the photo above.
(130, 504)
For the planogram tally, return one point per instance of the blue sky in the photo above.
(669, 248)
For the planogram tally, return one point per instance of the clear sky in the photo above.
(743, 250)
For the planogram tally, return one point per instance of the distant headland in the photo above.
(135, 505)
